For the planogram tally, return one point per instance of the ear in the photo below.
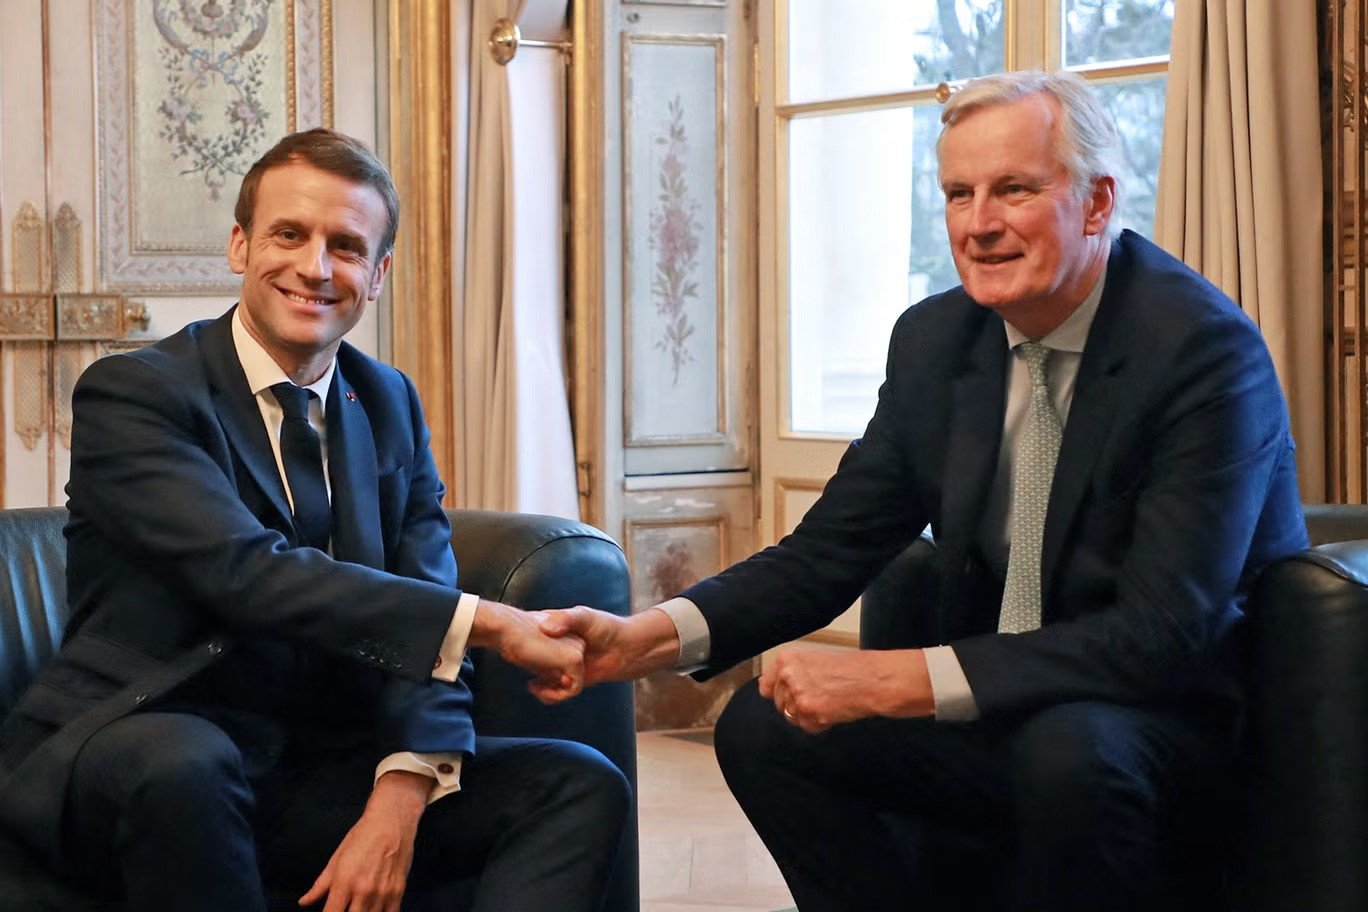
(378, 280)
(237, 250)
(1099, 205)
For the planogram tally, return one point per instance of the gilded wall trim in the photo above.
(420, 137)
(585, 150)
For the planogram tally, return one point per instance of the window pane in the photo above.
(1107, 31)
(866, 239)
(1137, 106)
(840, 49)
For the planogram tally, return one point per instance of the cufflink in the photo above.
(438, 663)
(446, 769)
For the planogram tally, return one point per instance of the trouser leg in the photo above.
(856, 817)
(1090, 785)
(162, 799)
(1057, 811)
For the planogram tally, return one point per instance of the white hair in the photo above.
(1087, 139)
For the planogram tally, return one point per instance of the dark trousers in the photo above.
(172, 811)
(1056, 812)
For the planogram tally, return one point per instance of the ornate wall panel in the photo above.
(673, 538)
(189, 96)
(674, 237)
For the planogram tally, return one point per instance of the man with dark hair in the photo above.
(1097, 439)
(263, 681)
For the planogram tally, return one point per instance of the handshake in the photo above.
(568, 649)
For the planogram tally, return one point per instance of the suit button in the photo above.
(215, 648)
(140, 699)
(446, 769)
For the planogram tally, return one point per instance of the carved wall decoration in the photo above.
(66, 250)
(189, 95)
(29, 260)
(674, 283)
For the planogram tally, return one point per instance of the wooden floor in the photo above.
(698, 851)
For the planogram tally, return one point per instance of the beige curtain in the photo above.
(514, 449)
(1240, 184)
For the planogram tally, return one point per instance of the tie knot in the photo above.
(294, 400)
(1036, 356)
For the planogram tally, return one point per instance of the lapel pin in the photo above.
(351, 397)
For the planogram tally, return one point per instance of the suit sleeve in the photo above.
(428, 716)
(870, 510)
(149, 471)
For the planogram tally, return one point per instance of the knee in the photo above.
(596, 784)
(751, 736)
(175, 760)
(1080, 763)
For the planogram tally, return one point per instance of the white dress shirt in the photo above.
(263, 373)
(949, 686)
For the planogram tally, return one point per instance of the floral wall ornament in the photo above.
(674, 238)
(209, 49)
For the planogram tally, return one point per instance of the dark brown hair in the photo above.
(328, 151)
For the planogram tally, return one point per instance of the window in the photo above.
(860, 212)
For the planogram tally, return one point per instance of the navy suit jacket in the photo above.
(1175, 484)
(181, 543)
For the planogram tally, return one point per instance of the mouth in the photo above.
(305, 300)
(995, 259)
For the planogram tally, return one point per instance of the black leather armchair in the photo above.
(528, 561)
(1297, 837)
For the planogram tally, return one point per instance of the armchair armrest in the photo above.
(534, 562)
(1308, 701)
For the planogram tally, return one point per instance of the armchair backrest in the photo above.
(33, 605)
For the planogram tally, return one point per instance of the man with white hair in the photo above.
(1097, 439)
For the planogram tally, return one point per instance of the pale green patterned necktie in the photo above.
(1032, 476)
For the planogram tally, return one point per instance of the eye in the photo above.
(288, 234)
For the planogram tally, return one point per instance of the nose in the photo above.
(313, 263)
(985, 215)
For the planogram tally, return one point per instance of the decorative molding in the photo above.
(421, 284)
(782, 486)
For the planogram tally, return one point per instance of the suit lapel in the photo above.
(353, 476)
(975, 431)
(240, 416)
(975, 436)
(1091, 415)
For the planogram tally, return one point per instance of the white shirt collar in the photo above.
(262, 371)
(1072, 334)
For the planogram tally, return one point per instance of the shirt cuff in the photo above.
(695, 642)
(452, 650)
(444, 769)
(950, 688)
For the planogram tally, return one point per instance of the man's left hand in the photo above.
(370, 868)
(816, 689)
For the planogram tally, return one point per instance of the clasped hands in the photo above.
(814, 689)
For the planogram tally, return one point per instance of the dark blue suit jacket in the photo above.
(181, 543)
(1175, 485)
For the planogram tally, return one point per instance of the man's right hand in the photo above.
(617, 648)
(556, 663)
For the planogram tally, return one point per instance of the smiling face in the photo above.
(309, 265)
(1026, 244)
